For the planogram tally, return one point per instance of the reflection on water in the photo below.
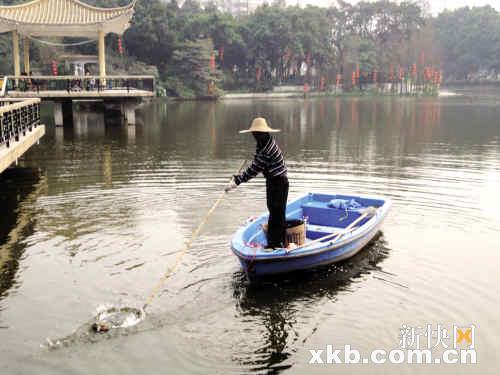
(19, 188)
(119, 202)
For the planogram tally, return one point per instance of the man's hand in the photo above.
(232, 185)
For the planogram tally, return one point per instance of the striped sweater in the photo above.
(268, 160)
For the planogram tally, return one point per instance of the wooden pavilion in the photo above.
(73, 18)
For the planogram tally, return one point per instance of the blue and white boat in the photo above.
(337, 227)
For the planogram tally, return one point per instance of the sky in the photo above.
(439, 5)
(436, 6)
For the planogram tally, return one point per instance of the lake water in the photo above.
(96, 213)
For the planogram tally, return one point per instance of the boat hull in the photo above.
(246, 243)
(257, 268)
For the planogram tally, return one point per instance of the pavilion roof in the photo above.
(64, 18)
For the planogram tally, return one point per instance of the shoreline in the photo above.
(301, 95)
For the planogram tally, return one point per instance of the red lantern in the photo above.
(212, 62)
(435, 78)
(54, 67)
(414, 70)
(221, 53)
(338, 80)
(120, 46)
(258, 73)
(353, 78)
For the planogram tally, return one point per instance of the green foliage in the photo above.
(470, 38)
(190, 69)
(367, 55)
(5, 54)
(150, 38)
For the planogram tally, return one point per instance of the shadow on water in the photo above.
(20, 188)
(280, 301)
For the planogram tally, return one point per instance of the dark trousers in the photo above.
(277, 195)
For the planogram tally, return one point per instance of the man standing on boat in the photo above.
(269, 161)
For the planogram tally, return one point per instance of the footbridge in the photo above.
(122, 92)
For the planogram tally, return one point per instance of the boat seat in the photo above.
(318, 231)
(319, 213)
(323, 228)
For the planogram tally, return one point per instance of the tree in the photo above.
(189, 73)
(470, 40)
(341, 27)
(6, 54)
(150, 38)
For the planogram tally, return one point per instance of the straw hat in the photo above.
(260, 125)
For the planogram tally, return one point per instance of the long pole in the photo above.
(180, 255)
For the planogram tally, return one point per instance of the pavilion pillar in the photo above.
(102, 56)
(26, 54)
(15, 53)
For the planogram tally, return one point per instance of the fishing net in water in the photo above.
(117, 317)
(108, 323)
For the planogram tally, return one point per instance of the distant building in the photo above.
(240, 8)
(237, 8)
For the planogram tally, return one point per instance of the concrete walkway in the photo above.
(263, 95)
(10, 155)
(82, 94)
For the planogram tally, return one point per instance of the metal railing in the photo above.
(17, 117)
(73, 84)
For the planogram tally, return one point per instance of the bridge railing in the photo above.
(17, 117)
(73, 84)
